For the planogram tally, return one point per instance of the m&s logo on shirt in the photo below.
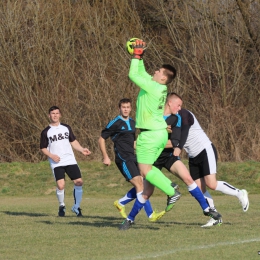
(59, 137)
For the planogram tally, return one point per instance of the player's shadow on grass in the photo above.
(99, 222)
(29, 214)
(102, 224)
(47, 222)
(188, 224)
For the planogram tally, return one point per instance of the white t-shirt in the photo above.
(57, 140)
(197, 139)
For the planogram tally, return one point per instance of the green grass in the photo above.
(30, 228)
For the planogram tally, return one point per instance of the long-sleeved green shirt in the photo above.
(151, 98)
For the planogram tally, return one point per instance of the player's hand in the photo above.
(169, 129)
(176, 151)
(86, 151)
(55, 158)
(139, 48)
(106, 161)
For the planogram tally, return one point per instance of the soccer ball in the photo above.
(129, 46)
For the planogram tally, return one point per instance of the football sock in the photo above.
(60, 196)
(130, 195)
(135, 209)
(197, 194)
(228, 189)
(148, 208)
(77, 193)
(209, 200)
(159, 180)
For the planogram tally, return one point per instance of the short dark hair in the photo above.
(53, 108)
(170, 72)
(123, 101)
(173, 94)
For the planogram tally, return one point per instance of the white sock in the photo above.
(193, 186)
(60, 196)
(140, 197)
(209, 199)
(228, 189)
(77, 193)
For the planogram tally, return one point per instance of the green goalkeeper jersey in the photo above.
(151, 98)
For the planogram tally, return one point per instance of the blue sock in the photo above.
(198, 195)
(148, 208)
(135, 209)
(130, 195)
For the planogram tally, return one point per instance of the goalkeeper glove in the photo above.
(139, 48)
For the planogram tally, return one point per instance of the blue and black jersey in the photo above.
(175, 122)
(122, 133)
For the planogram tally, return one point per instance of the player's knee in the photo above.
(188, 180)
(138, 183)
(61, 186)
(78, 182)
(212, 186)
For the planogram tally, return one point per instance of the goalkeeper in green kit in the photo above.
(153, 134)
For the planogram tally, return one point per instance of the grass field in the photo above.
(30, 228)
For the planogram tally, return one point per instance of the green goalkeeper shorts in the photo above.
(150, 144)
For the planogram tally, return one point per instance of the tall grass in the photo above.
(71, 54)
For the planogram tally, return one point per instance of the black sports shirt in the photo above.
(122, 133)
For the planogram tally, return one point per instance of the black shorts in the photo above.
(129, 169)
(205, 163)
(166, 161)
(72, 171)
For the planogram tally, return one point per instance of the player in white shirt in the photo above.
(56, 142)
(203, 161)
(173, 163)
